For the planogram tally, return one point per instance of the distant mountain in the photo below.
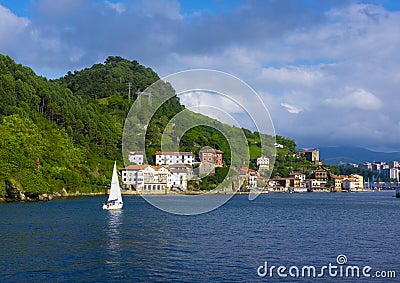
(352, 154)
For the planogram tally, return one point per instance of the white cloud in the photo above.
(214, 105)
(291, 108)
(12, 30)
(196, 99)
(117, 7)
(356, 98)
(58, 9)
(293, 76)
(301, 58)
(165, 8)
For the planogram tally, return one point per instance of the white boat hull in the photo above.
(113, 206)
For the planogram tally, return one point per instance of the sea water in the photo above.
(74, 240)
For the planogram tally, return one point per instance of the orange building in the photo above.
(212, 156)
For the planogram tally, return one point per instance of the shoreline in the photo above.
(235, 193)
(65, 195)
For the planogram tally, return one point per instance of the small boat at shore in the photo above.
(115, 198)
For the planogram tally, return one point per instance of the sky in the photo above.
(328, 70)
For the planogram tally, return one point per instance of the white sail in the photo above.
(115, 197)
(115, 191)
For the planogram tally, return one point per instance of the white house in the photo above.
(263, 163)
(170, 158)
(136, 157)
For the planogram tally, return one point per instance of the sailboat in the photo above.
(115, 198)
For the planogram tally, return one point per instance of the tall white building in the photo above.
(376, 167)
(391, 173)
(170, 158)
(366, 165)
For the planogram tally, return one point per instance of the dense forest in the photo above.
(64, 134)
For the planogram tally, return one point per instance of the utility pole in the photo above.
(150, 101)
(142, 93)
(139, 97)
(129, 91)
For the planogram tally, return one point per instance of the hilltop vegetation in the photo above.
(73, 127)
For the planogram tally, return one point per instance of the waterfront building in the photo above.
(146, 178)
(359, 180)
(278, 185)
(321, 175)
(338, 182)
(180, 175)
(250, 175)
(170, 158)
(350, 184)
(285, 183)
(300, 176)
(313, 184)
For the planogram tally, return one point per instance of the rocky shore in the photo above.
(15, 194)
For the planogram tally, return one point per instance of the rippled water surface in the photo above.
(74, 240)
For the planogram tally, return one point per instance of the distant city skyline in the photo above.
(328, 71)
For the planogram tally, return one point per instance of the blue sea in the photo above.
(74, 240)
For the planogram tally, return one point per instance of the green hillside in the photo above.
(73, 127)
